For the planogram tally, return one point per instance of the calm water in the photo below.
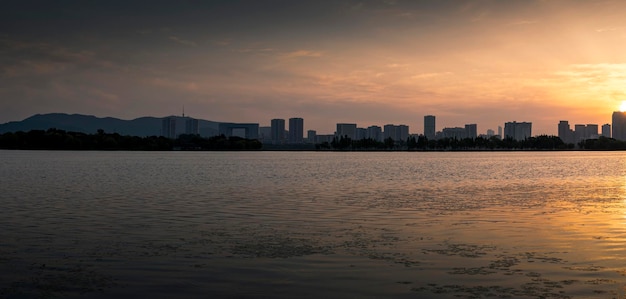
(336, 225)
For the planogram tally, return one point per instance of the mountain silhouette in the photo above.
(89, 124)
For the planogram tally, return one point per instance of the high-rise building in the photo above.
(402, 132)
(517, 131)
(265, 134)
(591, 131)
(361, 133)
(168, 127)
(191, 126)
(278, 130)
(348, 130)
(429, 126)
(397, 133)
(565, 133)
(311, 136)
(389, 131)
(619, 125)
(325, 138)
(471, 131)
(454, 133)
(606, 130)
(375, 133)
(490, 133)
(580, 133)
(296, 130)
(500, 131)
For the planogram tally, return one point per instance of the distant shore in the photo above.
(54, 139)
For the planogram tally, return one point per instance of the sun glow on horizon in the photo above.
(622, 107)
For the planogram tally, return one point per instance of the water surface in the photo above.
(307, 224)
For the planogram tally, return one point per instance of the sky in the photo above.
(347, 61)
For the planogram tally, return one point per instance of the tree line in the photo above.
(542, 142)
(55, 139)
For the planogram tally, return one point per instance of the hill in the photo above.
(89, 124)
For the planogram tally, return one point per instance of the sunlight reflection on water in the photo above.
(282, 224)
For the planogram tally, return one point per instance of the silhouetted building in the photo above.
(429, 126)
(606, 130)
(389, 131)
(344, 130)
(265, 134)
(375, 133)
(454, 133)
(591, 131)
(168, 127)
(191, 126)
(619, 125)
(244, 130)
(565, 133)
(325, 138)
(518, 131)
(296, 130)
(278, 130)
(500, 132)
(471, 131)
(311, 136)
(580, 133)
(397, 133)
(490, 133)
(361, 133)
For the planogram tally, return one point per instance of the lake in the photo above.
(312, 224)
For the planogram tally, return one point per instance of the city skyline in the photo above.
(366, 62)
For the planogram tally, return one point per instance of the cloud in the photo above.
(187, 86)
(430, 75)
(606, 29)
(222, 42)
(255, 50)
(26, 58)
(183, 41)
(523, 22)
(397, 65)
(302, 53)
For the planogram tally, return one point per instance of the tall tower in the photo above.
(296, 130)
(278, 130)
(429, 127)
(619, 125)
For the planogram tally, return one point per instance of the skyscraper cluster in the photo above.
(468, 131)
(395, 132)
(581, 132)
(278, 133)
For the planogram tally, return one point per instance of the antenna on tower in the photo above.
(183, 110)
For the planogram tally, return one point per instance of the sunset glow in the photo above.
(368, 62)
